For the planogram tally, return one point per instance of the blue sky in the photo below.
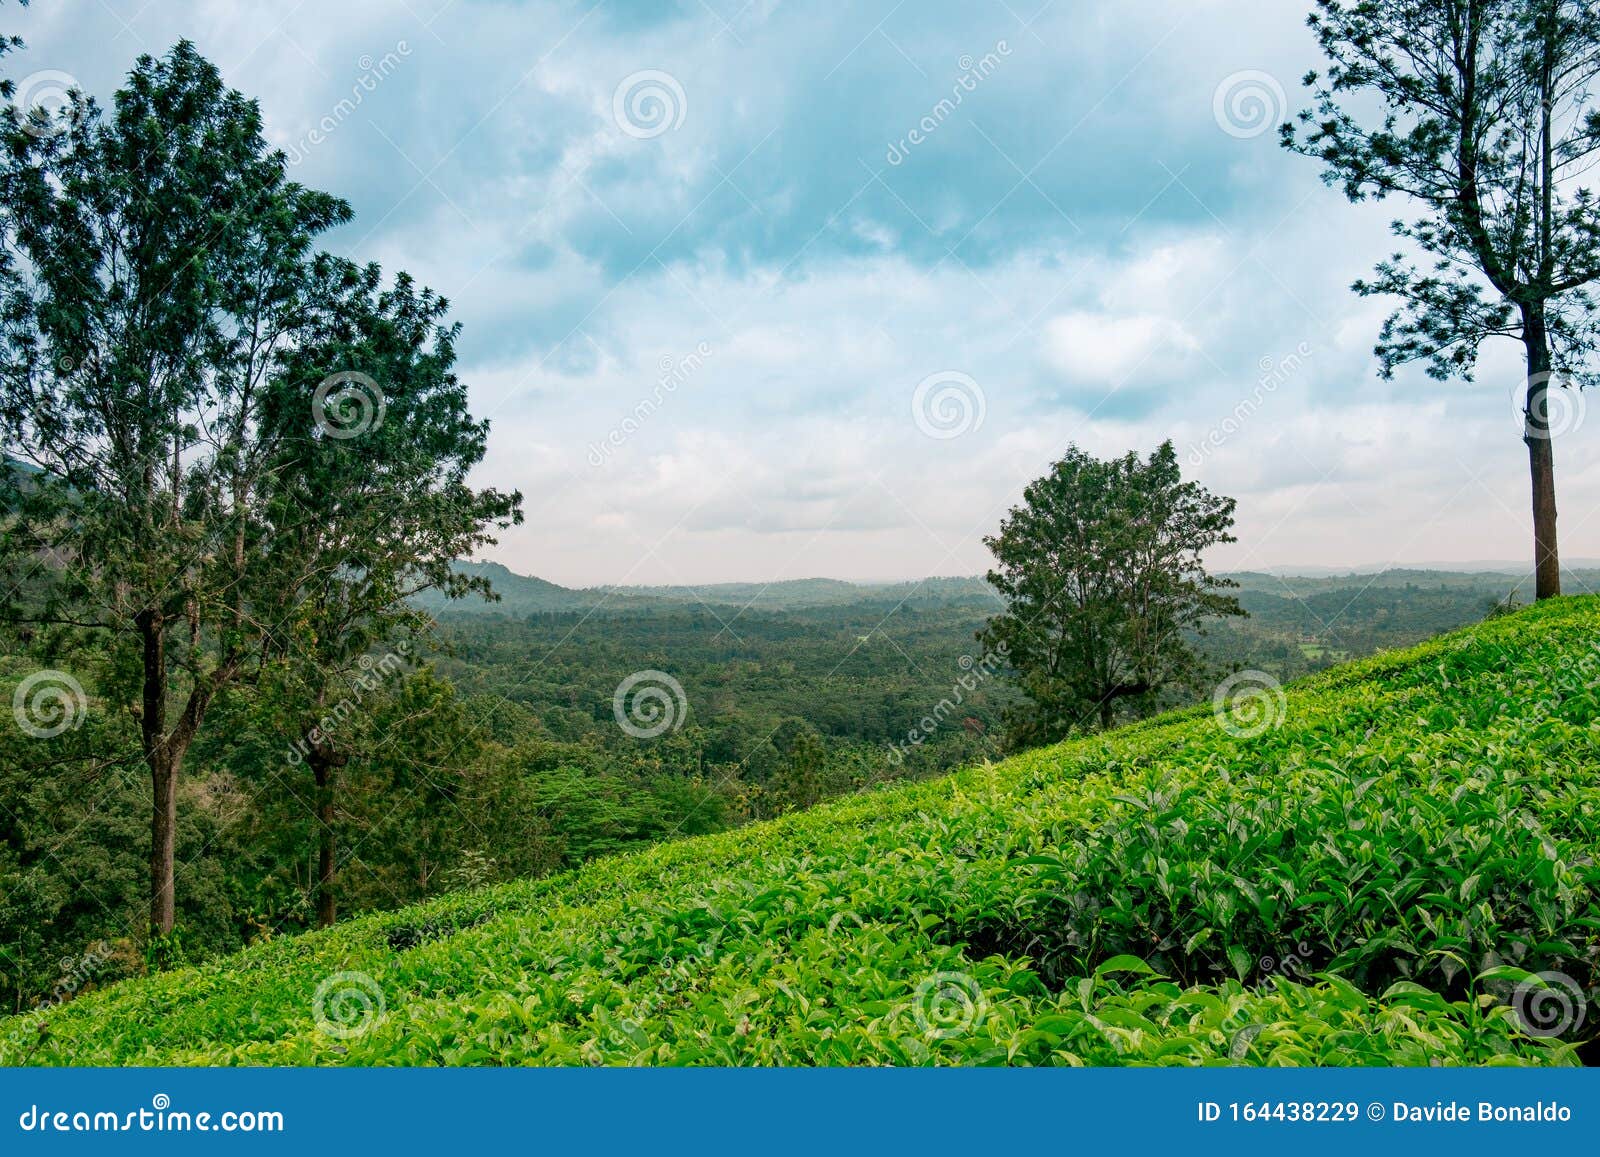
(771, 290)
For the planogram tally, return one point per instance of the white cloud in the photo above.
(578, 258)
(1106, 350)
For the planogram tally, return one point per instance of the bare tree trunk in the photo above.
(163, 754)
(163, 843)
(163, 772)
(322, 768)
(1541, 456)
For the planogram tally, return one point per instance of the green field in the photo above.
(1369, 880)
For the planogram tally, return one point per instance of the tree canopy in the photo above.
(178, 369)
(1101, 571)
(1484, 114)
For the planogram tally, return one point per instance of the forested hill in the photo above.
(523, 594)
(1364, 874)
(1353, 613)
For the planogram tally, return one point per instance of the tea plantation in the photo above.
(1372, 878)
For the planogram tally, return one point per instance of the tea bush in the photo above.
(1375, 880)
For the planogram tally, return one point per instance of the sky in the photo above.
(756, 290)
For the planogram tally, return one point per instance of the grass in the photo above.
(1375, 880)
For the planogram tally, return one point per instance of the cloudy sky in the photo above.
(757, 290)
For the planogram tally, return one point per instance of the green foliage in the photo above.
(533, 775)
(1489, 116)
(1484, 115)
(1361, 885)
(171, 338)
(1100, 569)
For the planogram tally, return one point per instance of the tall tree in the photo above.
(165, 293)
(1483, 112)
(372, 509)
(1102, 575)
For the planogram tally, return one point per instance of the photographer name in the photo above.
(1459, 1112)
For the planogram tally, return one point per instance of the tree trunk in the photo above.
(322, 765)
(163, 843)
(163, 755)
(1541, 455)
(163, 771)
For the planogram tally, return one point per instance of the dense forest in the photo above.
(1110, 900)
(494, 751)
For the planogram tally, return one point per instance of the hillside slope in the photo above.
(1328, 891)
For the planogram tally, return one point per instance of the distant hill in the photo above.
(767, 596)
(519, 594)
(792, 594)
(522, 595)
(1477, 566)
(1002, 916)
(1496, 583)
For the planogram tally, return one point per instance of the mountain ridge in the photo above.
(521, 595)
